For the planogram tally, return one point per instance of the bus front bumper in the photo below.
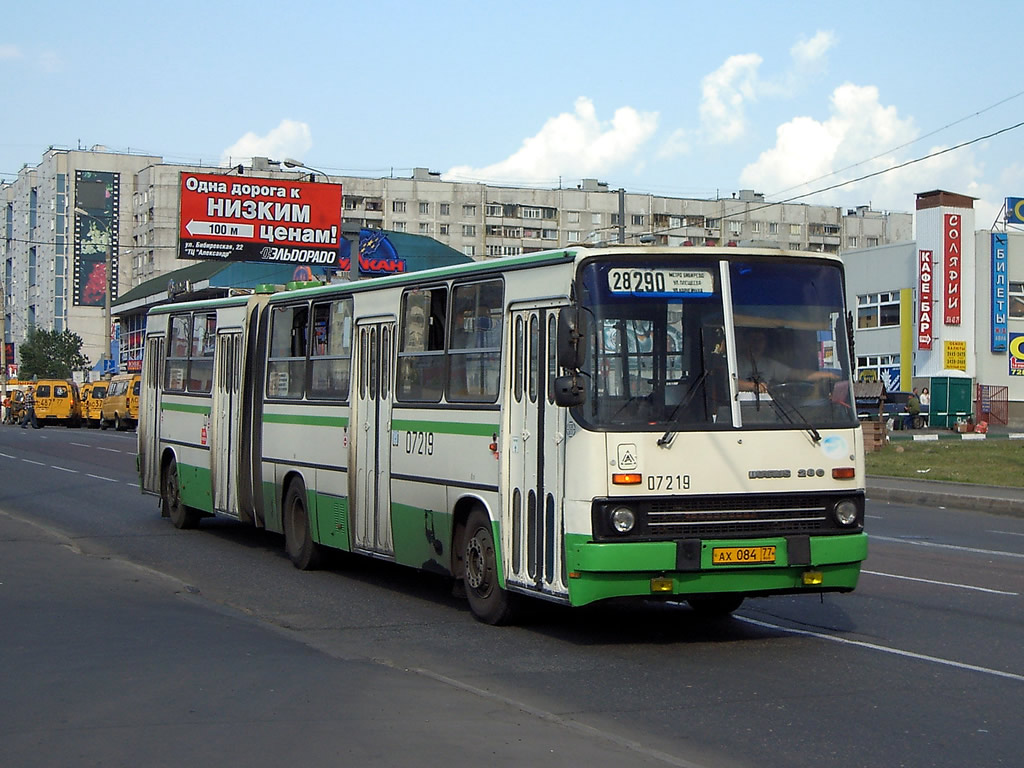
(778, 565)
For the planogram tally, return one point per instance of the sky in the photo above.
(681, 99)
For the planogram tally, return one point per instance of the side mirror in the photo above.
(568, 391)
(572, 329)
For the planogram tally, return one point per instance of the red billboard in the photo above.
(951, 248)
(924, 299)
(249, 219)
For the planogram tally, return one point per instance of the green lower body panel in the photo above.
(598, 571)
(195, 486)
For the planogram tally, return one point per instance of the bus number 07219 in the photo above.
(420, 443)
(668, 482)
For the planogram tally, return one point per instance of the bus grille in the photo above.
(716, 517)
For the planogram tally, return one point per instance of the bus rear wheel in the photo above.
(304, 553)
(181, 516)
(715, 605)
(487, 600)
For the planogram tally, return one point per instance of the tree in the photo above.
(52, 355)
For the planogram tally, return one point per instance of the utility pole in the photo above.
(622, 215)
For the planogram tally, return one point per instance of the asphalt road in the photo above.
(125, 641)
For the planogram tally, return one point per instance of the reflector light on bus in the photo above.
(627, 478)
(843, 473)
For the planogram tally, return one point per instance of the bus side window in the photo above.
(331, 356)
(286, 371)
(475, 346)
(421, 359)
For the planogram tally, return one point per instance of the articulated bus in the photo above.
(575, 425)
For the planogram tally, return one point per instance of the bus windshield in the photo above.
(696, 344)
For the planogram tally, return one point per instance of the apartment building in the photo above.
(78, 210)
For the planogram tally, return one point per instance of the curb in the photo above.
(895, 438)
(987, 498)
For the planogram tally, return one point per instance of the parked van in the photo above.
(92, 393)
(120, 405)
(58, 402)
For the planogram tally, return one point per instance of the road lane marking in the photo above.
(37, 463)
(948, 546)
(8, 456)
(97, 447)
(942, 583)
(64, 469)
(1006, 533)
(100, 477)
(885, 649)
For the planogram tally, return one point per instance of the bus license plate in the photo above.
(742, 555)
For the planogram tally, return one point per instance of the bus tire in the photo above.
(304, 553)
(712, 606)
(487, 600)
(118, 424)
(103, 423)
(170, 493)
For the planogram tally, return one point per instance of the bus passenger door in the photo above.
(371, 437)
(223, 421)
(534, 531)
(149, 414)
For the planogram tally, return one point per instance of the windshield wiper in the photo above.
(788, 411)
(665, 441)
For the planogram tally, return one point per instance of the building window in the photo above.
(773, 227)
(1016, 297)
(424, 227)
(549, 234)
(398, 226)
(572, 217)
(469, 210)
(469, 250)
(424, 209)
(794, 230)
(851, 241)
(735, 227)
(350, 203)
(878, 310)
(637, 219)
(398, 206)
(713, 223)
(469, 230)
(444, 209)
(878, 368)
(442, 229)
(872, 242)
(533, 213)
(494, 210)
(755, 227)
(32, 266)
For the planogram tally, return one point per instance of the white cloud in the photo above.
(811, 51)
(675, 145)
(289, 139)
(8, 51)
(575, 145)
(725, 93)
(858, 128)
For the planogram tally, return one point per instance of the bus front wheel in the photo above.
(304, 553)
(487, 600)
(181, 516)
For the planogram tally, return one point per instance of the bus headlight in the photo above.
(846, 512)
(623, 520)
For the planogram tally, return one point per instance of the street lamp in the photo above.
(349, 229)
(106, 284)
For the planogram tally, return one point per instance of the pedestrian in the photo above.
(7, 409)
(925, 397)
(913, 410)
(30, 410)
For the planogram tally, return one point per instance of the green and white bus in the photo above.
(574, 425)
